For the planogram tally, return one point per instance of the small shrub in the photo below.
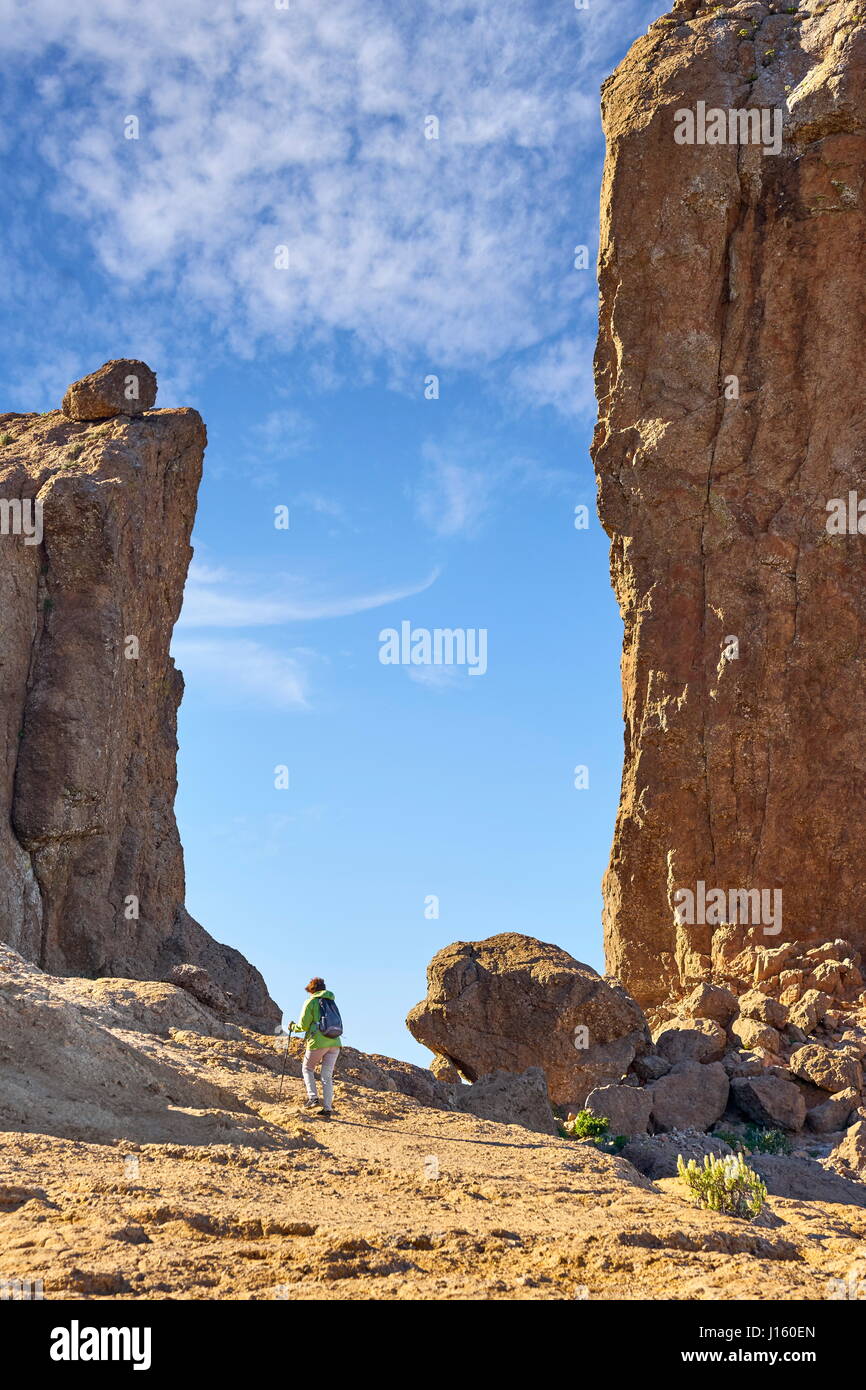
(75, 451)
(6, 437)
(766, 1141)
(585, 1125)
(724, 1185)
(728, 1137)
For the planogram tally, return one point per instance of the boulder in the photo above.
(834, 1113)
(692, 1096)
(199, 984)
(650, 1067)
(809, 1010)
(770, 960)
(770, 1101)
(123, 386)
(828, 976)
(444, 1070)
(415, 1081)
(828, 1068)
(742, 1064)
(511, 1100)
(851, 1153)
(710, 1001)
(749, 1033)
(512, 1002)
(656, 1156)
(692, 1040)
(626, 1108)
(764, 1008)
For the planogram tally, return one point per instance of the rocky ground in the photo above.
(245, 1195)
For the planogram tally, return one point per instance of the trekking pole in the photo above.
(285, 1059)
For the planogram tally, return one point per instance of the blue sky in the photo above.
(305, 128)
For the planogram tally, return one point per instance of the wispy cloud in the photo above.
(463, 482)
(228, 669)
(219, 599)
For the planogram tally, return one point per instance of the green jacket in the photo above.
(307, 1024)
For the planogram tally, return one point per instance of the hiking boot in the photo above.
(310, 1102)
(325, 1114)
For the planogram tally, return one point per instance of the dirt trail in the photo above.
(344, 1210)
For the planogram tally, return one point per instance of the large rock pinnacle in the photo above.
(731, 460)
(95, 524)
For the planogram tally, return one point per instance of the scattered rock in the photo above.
(809, 1010)
(121, 387)
(827, 1068)
(749, 1033)
(512, 1100)
(711, 1001)
(692, 1040)
(764, 1008)
(742, 1064)
(414, 1081)
(626, 1108)
(851, 1153)
(691, 1096)
(650, 1067)
(768, 1100)
(199, 983)
(445, 1071)
(656, 1157)
(834, 1113)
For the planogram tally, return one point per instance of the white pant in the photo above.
(328, 1058)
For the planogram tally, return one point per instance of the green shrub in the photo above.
(585, 1125)
(728, 1137)
(5, 437)
(766, 1141)
(75, 451)
(596, 1129)
(724, 1185)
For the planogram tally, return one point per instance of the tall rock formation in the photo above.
(729, 377)
(95, 521)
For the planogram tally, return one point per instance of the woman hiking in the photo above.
(322, 1027)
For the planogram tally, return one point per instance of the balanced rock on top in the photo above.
(123, 386)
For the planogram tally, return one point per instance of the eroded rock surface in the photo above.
(733, 287)
(91, 864)
(510, 1003)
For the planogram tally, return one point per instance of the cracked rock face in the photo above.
(728, 373)
(91, 864)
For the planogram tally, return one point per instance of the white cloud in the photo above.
(226, 601)
(438, 678)
(305, 127)
(230, 668)
(454, 496)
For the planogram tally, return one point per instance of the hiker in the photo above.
(322, 1027)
